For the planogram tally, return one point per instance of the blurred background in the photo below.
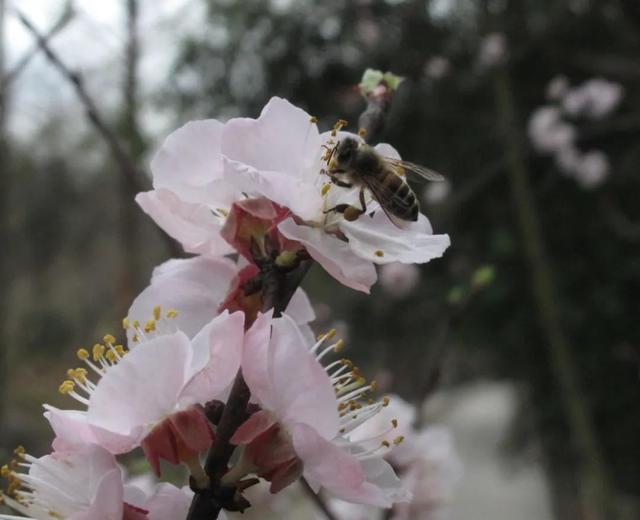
(523, 341)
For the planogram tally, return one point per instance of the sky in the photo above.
(93, 43)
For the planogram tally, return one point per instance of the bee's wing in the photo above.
(404, 166)
(382, 193)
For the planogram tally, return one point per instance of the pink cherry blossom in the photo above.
(149, 396)
(206, 166)
(398, 280)
(307, 413)
(197, 289)
(77, 485)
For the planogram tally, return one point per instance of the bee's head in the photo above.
(346, 152)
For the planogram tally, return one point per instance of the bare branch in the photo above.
(65, 17)
(126, 165)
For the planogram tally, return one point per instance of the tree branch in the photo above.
(65, 17)
(123, 160)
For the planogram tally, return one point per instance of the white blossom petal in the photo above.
(335, 255)
(378, 240)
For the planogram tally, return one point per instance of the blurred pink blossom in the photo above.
(557, 88)
(398, 279)
(594, 99)
(493, 50)
(548, 132)
(436, 192)
(437, 67)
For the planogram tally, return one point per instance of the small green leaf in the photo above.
(483, 276)
(370, 80)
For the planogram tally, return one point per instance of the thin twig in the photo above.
(65, 17)
(126, 165)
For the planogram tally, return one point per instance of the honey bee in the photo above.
(361, 165)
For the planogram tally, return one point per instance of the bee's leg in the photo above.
(362, 201)
(338, 182)
(350, 212)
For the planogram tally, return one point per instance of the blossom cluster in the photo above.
(248, 198)
(552, 127)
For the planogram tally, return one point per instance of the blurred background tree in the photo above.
(77, 249)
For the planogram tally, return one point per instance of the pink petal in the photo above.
(169, 503)
(192, 429)
(194, 287)
(193, 225)
(143, 387)
(335, 255)
(289, 191)
(254, 426)
(217, 352)
(300, 308)
(285, 475)
(324, 462)
(254, 361)
(190, 156)
(283, 139)
(302, 389)
(378, 240)
(72, 429)
(107, 501)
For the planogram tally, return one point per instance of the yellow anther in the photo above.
(330, 334)
(120, 350)
(111, 356)
(394, 423)
(80, 374)
(5, 471)
(172, 313)
(66, 387)
(150, 326)
(82, 353)
(136, 324)
(98, 351)
(362, 132)
(108, 338)
(385, 401)
(157, 312)
(338, 346)
(135, 338)
(398, 440)
(374, 385)
(313, 120)
(125, 323)
(325, 189)
(223, 212)
(346, 362)
(386, 444)
(19, 451)
(379, 253)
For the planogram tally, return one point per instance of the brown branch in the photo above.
(65, 17)
(278, 288)
(123, 160)
(597, 488)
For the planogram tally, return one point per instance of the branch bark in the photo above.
(5, 180)
(597, 490)
(125, 164)
(65, 17)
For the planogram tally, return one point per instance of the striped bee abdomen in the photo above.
(394, 195)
